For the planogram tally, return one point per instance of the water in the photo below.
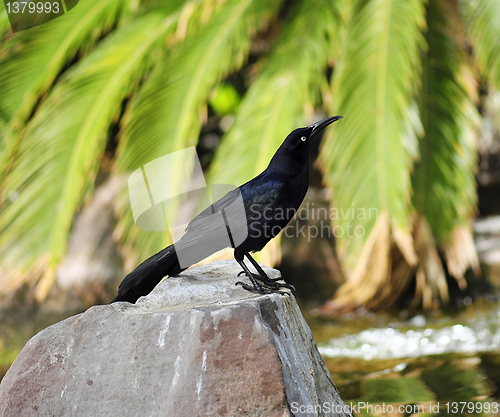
(440, 366)
(479, 334)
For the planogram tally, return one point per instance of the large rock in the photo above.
(198, 345)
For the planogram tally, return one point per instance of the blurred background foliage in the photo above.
(97, 93)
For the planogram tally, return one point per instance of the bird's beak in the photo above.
(319, 126)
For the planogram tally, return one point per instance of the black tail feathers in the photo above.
(142, 280)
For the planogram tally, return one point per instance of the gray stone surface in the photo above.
(196, 346)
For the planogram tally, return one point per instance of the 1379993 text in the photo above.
(32, 7)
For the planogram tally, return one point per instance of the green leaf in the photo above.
(367, 158)
(166, 115)
(224, 99)
(443, 181)
(482, 17)
(276, 102)
(4, 21)
(59, 154)
(31, 60)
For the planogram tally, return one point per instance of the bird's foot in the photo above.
(271, 282)
(265, 279)
(260, 289)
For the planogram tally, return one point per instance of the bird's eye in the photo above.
(303, 138)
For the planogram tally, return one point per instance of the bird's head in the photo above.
(310, 132)
(298, 143)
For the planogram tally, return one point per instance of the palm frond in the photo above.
(373, 87)
(60, 150)
(165, 8)
(443, 180)
(367, 158)
(166, 114)
(277, 101)
(482, 18)
(31, 60)
(4, 22)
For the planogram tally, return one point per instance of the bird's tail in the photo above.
(142, 280)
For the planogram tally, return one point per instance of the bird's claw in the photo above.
(286, 285)
(276, 279)
(261, 290)
(259, 277)
(272, 284)
(245, 286)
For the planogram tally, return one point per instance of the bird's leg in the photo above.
(256, 286)
(265, 278)
(262, 276)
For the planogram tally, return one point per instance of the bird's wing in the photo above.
(255, 196)
(220, 226)
(264, 191)
(216, 207)
(258, 194)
